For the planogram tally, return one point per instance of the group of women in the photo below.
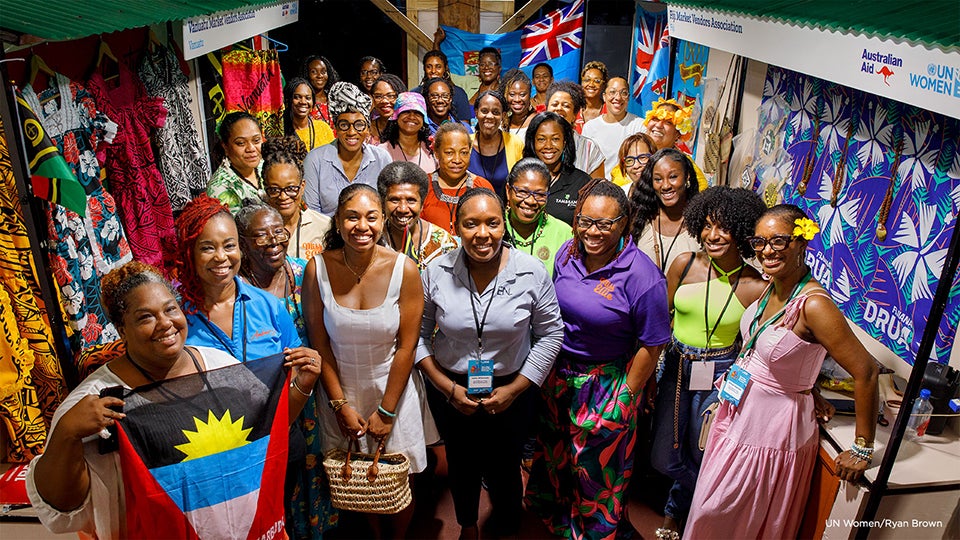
(365, 257)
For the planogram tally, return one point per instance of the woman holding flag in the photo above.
(76, 484)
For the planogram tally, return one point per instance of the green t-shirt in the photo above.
(544, 247)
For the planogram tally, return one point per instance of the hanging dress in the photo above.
(132, 175)
(181, 156)
(83, 249)
(364, 342)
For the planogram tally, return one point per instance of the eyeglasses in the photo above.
(392, 96)
(369, 72)
(603, 224)
(524, 194)
(630, 161)
(594, 81)
(621, 93)
(359, 125)
(289, 191)
(278, 236)
(439, 97)
(777, 242)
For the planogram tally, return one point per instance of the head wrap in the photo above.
(409, 101)
(681, 118)
(344, 97)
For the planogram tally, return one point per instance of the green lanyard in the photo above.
(754, 331)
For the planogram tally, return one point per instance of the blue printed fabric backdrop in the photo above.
(843, 147)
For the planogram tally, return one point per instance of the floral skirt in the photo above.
(309, 512)
(583, 462)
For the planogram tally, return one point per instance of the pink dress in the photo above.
(759, 458)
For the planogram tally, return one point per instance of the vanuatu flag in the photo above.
(204, 455)
(52, 178)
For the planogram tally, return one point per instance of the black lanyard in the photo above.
(706, 300)
(228, 346)
(479, 323)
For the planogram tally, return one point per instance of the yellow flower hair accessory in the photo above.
(806, 228)
(681, 118)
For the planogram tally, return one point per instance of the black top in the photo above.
(563, 194)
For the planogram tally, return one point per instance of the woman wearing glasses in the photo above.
(550, 139)
(384, 94)
(439, 96)
(614, 308)
(371, 68)
(491, 329)
(529, 227)
(666, 185)
(488, 71)
(764, 440)
(708, 293)
(347, 160)
(633, 156)
(283, 189)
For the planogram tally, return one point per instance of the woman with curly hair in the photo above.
(385, 91)
(708, 292)
(550, 139)
(298, 97)
(614, 308)
(407, 136)
(593, 79)
(762, 447)
(319, 71)
(667, 184)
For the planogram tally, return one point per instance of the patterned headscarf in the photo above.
(344, 97)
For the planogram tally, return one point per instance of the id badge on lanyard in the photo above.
(479, 377)
(734, 384)
(701, 375)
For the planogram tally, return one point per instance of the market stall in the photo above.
(855, 115)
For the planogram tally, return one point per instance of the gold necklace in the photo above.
(365, 268)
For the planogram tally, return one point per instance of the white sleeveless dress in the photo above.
(364, 342)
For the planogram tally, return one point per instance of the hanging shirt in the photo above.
(324, 177)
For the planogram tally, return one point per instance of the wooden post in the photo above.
(462, 14)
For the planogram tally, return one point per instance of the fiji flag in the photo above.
(651, 59)
(555, 39)
(204, 456)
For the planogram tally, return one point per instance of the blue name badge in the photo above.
(480, 377)
(734, 384)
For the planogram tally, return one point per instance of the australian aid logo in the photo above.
(880, 64)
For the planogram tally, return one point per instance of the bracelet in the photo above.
(385, 412)
(862, 441)
(453, 389)
(295, 385)
(337, 404)
(862, 453)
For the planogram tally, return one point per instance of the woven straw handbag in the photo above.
(374, 484)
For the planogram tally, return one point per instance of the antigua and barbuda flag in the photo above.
(204, 456)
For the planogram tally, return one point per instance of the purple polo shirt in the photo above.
(610, 313)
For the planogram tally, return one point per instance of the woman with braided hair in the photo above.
(283, 190)
(614, 308)
(319, 71)
(298, 98)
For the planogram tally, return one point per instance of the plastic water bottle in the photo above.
(920, 418)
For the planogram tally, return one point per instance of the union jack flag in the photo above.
(651, 36)
(560, 32)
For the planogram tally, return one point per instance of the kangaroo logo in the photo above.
(885, 71)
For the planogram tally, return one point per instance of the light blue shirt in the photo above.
(324, 177)
(261, 326)
(523, 331)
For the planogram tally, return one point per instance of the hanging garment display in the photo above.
(31, 384)
(82, 249)
(180, 155)
(894, 170)
(252, 83)
(132, 175)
